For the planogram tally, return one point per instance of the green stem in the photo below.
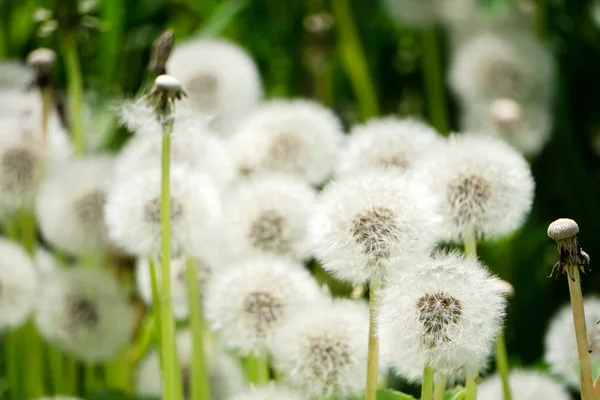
(585, 368)
(14, 366)
(470, 245)
(72, 374)
(257, 369)
(354, 60)
(427, 385)
(28, 230)
(57, 370)
(471, 386)
(373, 355)
(439, 391)
(90, 379)
(145, 337)
(172, 389)
(200, 389)
(33, 348)
(502, 365)
(434, 82)
(75, 91)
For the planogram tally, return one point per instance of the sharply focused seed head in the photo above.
(437, 311)
(374, 229)
(468, 196)
(563, 229)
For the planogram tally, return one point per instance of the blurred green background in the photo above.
(299, 47)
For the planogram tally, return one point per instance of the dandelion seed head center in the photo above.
(203, 87)
(264, 308)
(267, 232)
(152, 210)
(468, 197)
(504, 77)
(373, 231)
(394, 160)
(287, 149)
(18, 164)
(436, 312)
(89, 208)
(203, 272)
(327, 354)
(83, 312)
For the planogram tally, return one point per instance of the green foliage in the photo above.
(117, 395)
(456, 394)
(389, 394)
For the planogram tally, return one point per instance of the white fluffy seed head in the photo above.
(41, 58)
(443, 311)
(219, 77)
(561, 345)
(59, 398)
(388, 142)
(269, 392)
(524, 385)
(70, 205)
(268, 214)
(85, 312)
(483, 185)
(225, 375)
(422, 13)
(201, 152)
(208, 258)
(18, 285)
(322, 350)
(249, 300)
(299, 137)
(364, 222)
(490, 66)
(15, 75)
(133, 216)
(528, 132)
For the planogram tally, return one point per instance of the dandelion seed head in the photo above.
(246, 302)
(220, 78)
(388, 142)
(483, 185)
(422, 13)
(443, 311)
(18, 285)
(15, 75)
(524, 384)
(41, 58)
(132, 211)
(299, 137)
(70, 205)
(363, 223)
(563, 229)
(322, 350)
(76, 309)
(561, 346)
(268, 392)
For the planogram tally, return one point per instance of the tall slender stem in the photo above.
(200, 389)
(75, 91)
(439, 391)
(57, 370)
(597, 388)
(502, 365)
(587, 389)
(434, 81)
(471, 386)
(354, 60)
(32, 359)
(11, 342)
(470, 242)
(172, 384)
(257, 368)
(373, 356)
(427, 385)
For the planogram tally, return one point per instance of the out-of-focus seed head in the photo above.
(524, 384)
(505, 112)
(41, 58)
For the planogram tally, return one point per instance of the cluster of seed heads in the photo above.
(266, 232)
(264, 308)
(436, 312)
(468, 196)
(373, 230)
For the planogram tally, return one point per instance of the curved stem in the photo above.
(200, 389)
(75, 91)
(439, 391)
(354, 61)
(427, 385)
(587, 390)
(172, 389)
(373, 357)
(502, 365)
(434, 81)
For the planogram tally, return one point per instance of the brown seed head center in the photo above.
(436, 312)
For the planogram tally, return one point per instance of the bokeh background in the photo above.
(302, 49)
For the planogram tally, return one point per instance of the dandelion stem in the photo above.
(471, 386)
(502, 365)
(172, 383)
(434, 83)
(597, 388)
(427, 385)
(257, 368)
(373, 356)
(75, 90)
(200, 389)
(470, 245)
(13, 369)
(587, 390)
(146, 334)
(57, 370)
(354, 60)
(90, 379)
(47, 103)
(439, 391)
(28, 233)
(33, 347)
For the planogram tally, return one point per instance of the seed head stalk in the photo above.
(427, 386)
(257, 368)
(439, 391)
(200, 389)
(75, 91)
(373, 355)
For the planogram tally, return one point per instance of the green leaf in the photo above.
(456, 394)
(389, 394)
